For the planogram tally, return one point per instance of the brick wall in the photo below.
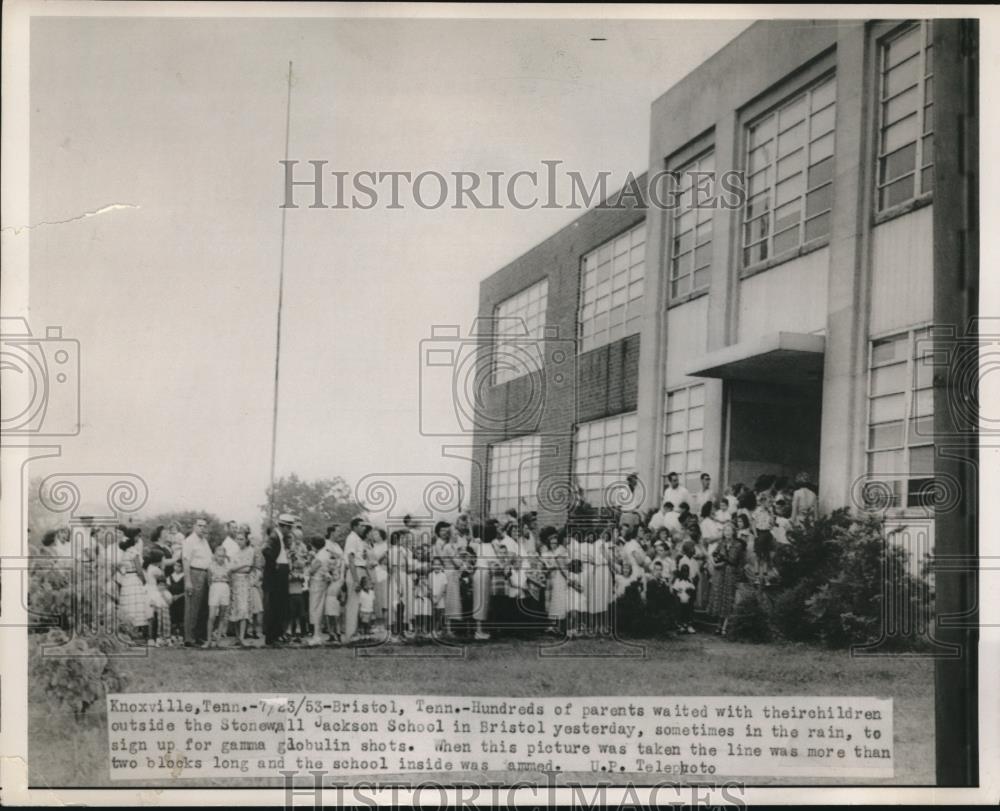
(571, 389)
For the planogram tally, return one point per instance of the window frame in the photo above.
(919, 196)
(902, 497)
(683, 472)
(579, 477)
(702, 215)
(524, 340)
(803, 92)
(587, 343)
(529, 447)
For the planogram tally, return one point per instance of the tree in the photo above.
(318, 503)
(186, 518)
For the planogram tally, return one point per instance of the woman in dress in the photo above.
(377, 557)
(602, 593)
(556, 560)
(449, 550)
(241, 568)
(730, 559)
(133, 598)
(486, 563)
(398, 583)
(578, 580)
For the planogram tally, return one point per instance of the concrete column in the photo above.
(842, 441)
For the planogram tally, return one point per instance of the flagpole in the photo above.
(281, 292)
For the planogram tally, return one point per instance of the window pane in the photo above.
(902, 47)
(818, 227)
(789, 190)
(703, 256)
(822, 122)
(824, 94)
(821, 148)
(792, 139)
(702, 278)
(786, 240)
(819, 200)
(922, 461)
(791, 114)
(820, 173)
(886, 435)
(886, 409)
(900, 106)
(787, 215)
(888, 350)
(896, 193)
(887, 463)
(762, 131)
(898, 163)
(921, 430)
(901, 77)
(888, 379)
(899, 134)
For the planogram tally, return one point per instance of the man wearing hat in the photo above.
(274, 582)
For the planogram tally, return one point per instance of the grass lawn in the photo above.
(63, 753)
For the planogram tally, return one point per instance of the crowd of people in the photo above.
(604, 573)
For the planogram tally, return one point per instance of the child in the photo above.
(298, 614)
(439, 589)
(159, 597)
(240, 573)
(256, 587)
(218, 596)
(319, 581)
(366, 607)
(689, 557)
(175, 585)
(684, 589)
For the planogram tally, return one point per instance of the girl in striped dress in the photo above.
(482, 578)
(577, 608)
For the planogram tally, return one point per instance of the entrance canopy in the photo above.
(779, 357)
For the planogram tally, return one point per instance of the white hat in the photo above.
(286, 518)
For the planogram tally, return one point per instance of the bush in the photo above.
(78, 672)
(751, 619)
(75, 663)
(840, 571)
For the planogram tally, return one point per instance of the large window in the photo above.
(520, 322)
(513, 474)
(790, 155)
(613, 277)
(604, 455)
(906, 131)
(901, 420)
(685, 422)
(691, 241)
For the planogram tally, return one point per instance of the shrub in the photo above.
(77, 673)
(751, 619)
(839, 572)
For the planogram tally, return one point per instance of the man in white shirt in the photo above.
(354, 569)
(229, 543)
(675, 493)
(705, 494)
(196, 557)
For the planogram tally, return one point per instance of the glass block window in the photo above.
(906, 116)
(684, 428)
(513, 478)
(612, 287)
(789, 165)
(691, 231)
(604, 453)
(518, 320)
(901, 419)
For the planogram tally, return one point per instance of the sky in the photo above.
(173, 129)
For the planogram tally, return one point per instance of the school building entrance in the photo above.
(772, 405)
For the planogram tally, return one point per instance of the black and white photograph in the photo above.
(497, 404)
